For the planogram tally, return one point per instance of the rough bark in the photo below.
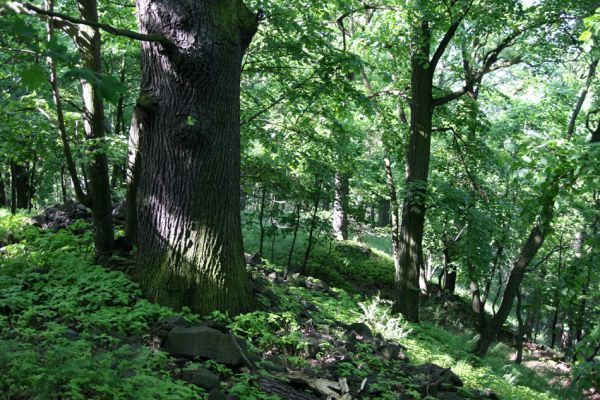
(189, 236)
(340, 206)
(89, 44)
(406, 293)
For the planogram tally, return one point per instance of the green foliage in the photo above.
(71, 329)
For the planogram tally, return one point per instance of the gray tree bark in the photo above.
(189, 229)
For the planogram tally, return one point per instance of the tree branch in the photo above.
(30, 9)
(441, 49)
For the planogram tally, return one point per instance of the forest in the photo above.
(300, 199)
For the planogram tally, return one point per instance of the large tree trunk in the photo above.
(89, 43)
(189, 236)
(340, 206)
(406, 293)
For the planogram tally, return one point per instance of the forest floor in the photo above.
(73, 330)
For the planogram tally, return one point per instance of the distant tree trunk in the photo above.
(393, 203)
(449, 273)
(495, 264)
(261, 214)
(383, 213)
(311, 229)
(13, 190)
(133, 176)
(520, 330)
(63, 185)
(372, 215)
(3, 199)
(71, 167)
(291, 253)
(190, 250)
(556, 302)
(340, 206)
(89, 44)
(20, 181)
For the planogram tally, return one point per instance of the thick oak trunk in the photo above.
(340, 206)
(189, 230)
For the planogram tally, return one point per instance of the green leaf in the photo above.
(33, 76)
(585, 36)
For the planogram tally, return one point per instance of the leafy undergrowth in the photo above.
(69, 329)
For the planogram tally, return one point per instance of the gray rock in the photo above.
(361, 330)
(204, 342)
(391, 351)
(436, 379)
(203, 378)
(216, 394)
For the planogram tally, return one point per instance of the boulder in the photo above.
(216, 394)
(253, 259)
(436, 379)
(165, 325)
(205, 342)
(203, 378)
(361, 330)
(391, 351)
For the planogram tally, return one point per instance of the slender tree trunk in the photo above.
(393, 203)
(291, 253)
(133, 176)
(449, 273)
(340, 206)
(520, 330)
(311, 229)
(20, 180)
(82, 197)
(261, 214)
(406, 293)
(190, 250)
(89, 43)
(13, 189)
(3, 199)
(383, 213)
(528, 251)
